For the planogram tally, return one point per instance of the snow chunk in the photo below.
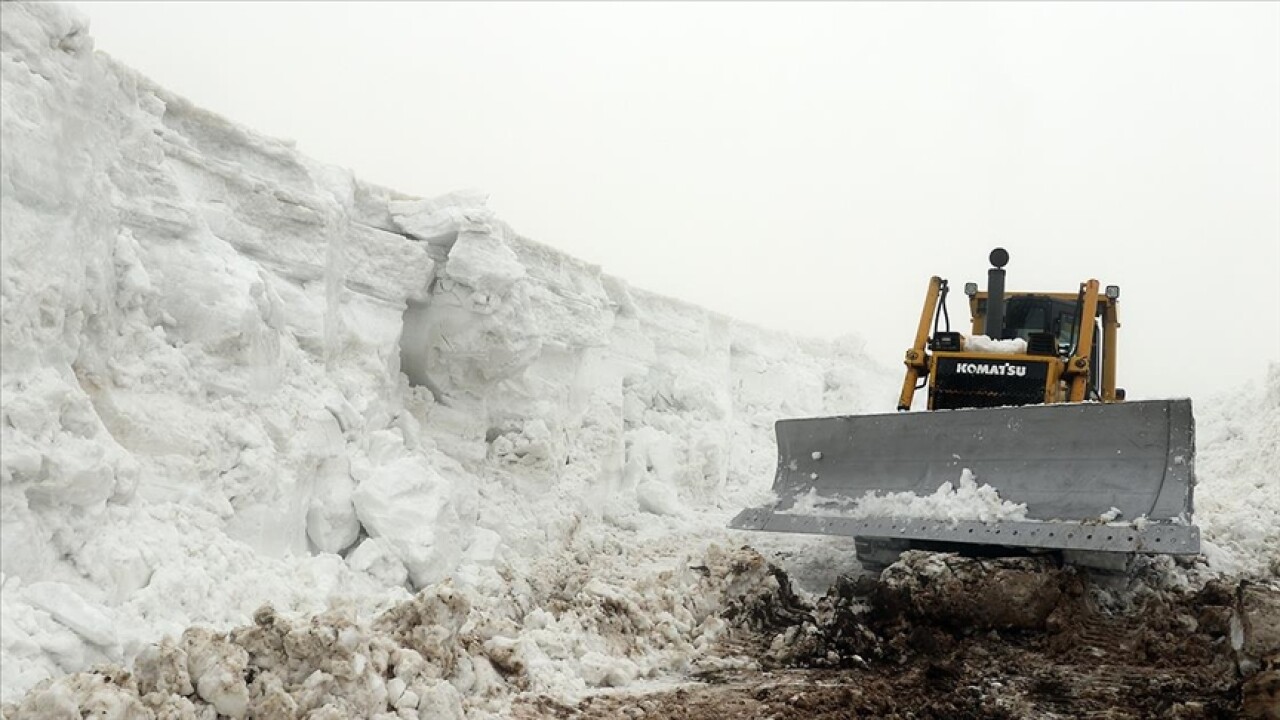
(377, 557)
(658, 498)
(410, 504)
(217, 667)
(439, 219)
(85, 695)
(332, 524)
(600, 670)
(483, 263)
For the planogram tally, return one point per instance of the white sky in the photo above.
(805, 167)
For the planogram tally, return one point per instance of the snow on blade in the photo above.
(953, 503)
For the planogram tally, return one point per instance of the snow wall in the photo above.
(235, 376)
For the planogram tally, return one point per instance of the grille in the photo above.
(969, 383)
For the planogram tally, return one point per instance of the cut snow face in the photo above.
(234, 376)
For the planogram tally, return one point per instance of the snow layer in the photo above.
(234, 376)
(984, 344)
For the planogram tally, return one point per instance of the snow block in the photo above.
(332, 524)
(409, 504)
(66, 606)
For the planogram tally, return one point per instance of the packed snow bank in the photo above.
(234, 376)
(1237, 499)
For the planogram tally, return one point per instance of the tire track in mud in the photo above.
(940, 636)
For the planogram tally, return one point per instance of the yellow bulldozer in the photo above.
(1027, 404)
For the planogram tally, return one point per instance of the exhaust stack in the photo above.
(994, 326)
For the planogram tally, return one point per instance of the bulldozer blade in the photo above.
(1070, 464)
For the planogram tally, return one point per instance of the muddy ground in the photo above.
(939, 636)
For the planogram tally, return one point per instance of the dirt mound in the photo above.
(943, 636)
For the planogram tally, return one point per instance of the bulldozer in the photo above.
(1027, 404)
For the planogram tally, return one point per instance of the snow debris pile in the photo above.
(234, 377)
(967, 501)
(446, 652)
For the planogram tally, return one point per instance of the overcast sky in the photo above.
(805, 167)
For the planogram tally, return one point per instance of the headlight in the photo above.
(1113, 292)
(971, 289)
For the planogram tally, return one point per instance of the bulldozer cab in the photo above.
(1026, 315)
(1039, 420)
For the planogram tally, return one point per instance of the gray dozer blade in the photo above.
(1071, 464)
